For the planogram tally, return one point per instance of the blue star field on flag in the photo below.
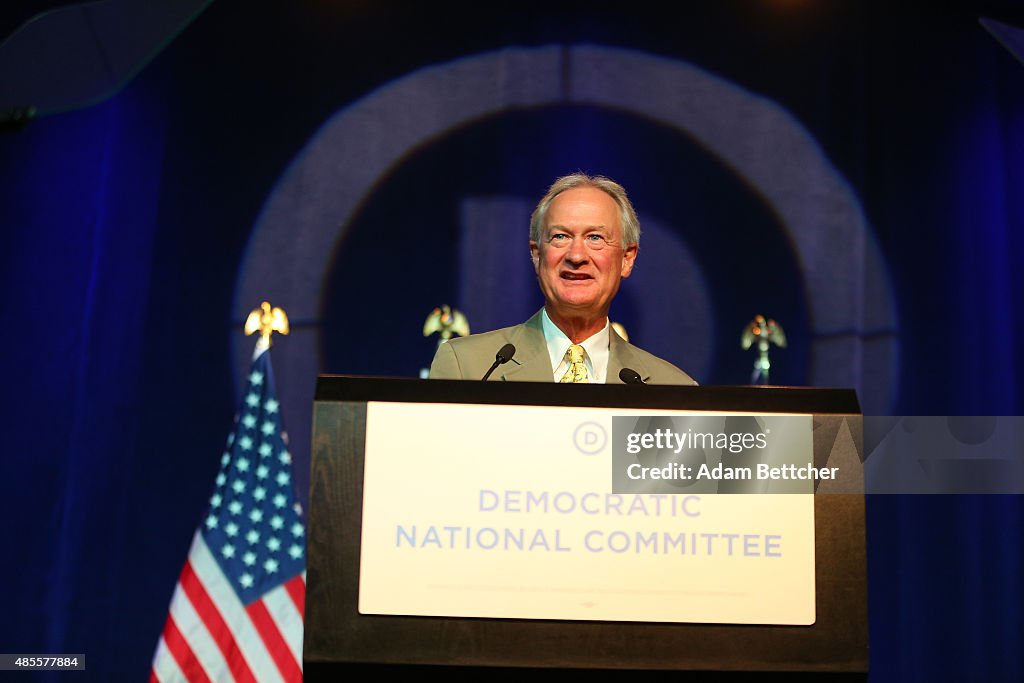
(253, 527)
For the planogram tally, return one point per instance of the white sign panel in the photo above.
(507, 512)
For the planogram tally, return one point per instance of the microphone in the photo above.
(630, 376)
(504, 355)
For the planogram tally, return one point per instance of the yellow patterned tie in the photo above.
(577, 371)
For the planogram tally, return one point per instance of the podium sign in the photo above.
(516, 519)
(468, 524)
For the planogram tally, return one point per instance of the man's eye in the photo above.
(595, 238)
(559, 237)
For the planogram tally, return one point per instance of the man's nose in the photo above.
(577, 252)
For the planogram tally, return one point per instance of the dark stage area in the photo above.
(854, 170)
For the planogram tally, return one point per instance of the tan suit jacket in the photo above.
(470, 357)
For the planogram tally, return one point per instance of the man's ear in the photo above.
(629, 258)
(535, 256)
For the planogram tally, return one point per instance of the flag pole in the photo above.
(237, 612)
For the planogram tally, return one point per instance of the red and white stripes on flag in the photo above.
(211, 635)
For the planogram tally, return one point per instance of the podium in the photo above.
(339, 639)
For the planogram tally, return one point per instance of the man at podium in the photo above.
(584, 238)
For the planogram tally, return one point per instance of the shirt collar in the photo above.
(596, 347)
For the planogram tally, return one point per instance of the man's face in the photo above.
(580, 258)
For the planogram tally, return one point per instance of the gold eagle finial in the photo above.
(446, 321)
(763, 332)
(266, 320)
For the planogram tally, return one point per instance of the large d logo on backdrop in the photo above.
(289, 254)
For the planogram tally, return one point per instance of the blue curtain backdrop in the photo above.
(131, 227)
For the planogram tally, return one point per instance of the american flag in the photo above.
(237, 611)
